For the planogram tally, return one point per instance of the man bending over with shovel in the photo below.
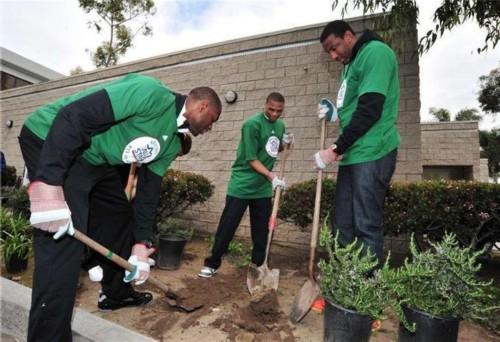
(252, 183)
(71, 148)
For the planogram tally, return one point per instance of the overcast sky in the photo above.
(54, 33)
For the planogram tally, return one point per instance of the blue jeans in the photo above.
(359, 202)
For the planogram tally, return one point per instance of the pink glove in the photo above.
(49, 211)
(140, 259)
(326, 157)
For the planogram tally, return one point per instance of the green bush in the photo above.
(441, 281)
(427, 208)
(16, 235)
(297, 204)
(238, 252)
(17, 201)
(181, 189)
(172, 226)
(9, 176)
(345, 279)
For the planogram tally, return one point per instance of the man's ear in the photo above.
(203, 105)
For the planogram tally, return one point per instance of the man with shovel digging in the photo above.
(366, 149)
(71, 148)
(252, 183)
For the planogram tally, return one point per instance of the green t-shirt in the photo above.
(374, 70)
(145, 128)
(260, 140)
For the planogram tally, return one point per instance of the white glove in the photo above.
(276, 181)
(141, 260)
(327, 110)
(288, 139)
(49, 210)
(96, 274)
(326, 157)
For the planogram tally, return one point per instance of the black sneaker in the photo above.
(135, 299)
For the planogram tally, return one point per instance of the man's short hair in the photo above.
(274, 96)
(206, 93)
(337, 27)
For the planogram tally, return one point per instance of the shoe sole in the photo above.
(206, 275)
(123, 307)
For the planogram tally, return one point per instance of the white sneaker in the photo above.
(207, 272)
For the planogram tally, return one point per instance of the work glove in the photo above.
(96, 274)
(141, 260)
(276, 181)
(288, 139)
(49, 210)
(327, 111)
(325, 157)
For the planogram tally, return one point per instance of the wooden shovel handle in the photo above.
(317, 206)
(277, 194)
(115, 258)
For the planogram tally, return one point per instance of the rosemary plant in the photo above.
(346, 277)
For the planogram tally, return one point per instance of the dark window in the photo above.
(451, 172)
(9, 81)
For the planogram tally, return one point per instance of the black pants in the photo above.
(100, 209)
(260, 211)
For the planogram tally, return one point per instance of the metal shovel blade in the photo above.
(262, 278)
(303, 300)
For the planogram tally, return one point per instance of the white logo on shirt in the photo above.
(341, 94)
(164, 137)
(141, 150)
(272, 146)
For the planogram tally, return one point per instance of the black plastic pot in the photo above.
(343, 325)
(170, 249)
(16, 264)
(429, 328)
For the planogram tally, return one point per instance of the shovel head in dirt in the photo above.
(173, 299)
(261, 278)
(303, 300)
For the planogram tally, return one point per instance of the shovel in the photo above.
(262, 278)
(310, 290)
(172, 298)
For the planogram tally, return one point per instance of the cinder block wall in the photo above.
(291, 62)
(452, 144)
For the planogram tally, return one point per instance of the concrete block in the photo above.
(86, 327)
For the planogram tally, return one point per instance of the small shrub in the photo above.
(345, 277)
(238, 253)
(175, 227)
(18, 201)
(442, 282)
(16, 235)
(297, 204)
(9, 176)
(181, 189)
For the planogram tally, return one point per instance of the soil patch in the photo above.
(212, 292)
(261, 320)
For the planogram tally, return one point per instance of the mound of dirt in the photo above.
(260, 320)
(212, 292)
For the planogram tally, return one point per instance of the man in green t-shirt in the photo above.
(252, 182)
(366, 149)
(72, 149)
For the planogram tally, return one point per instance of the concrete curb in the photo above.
(15, 304)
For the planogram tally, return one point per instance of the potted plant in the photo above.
(436, 289)
(172, 236)
(15, 241)
(355, 295)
